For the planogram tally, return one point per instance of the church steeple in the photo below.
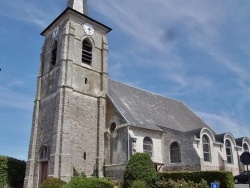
(79, 5)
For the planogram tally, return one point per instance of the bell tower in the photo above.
(70, 106)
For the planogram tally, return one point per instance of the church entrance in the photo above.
(43, 163)
(44, 171)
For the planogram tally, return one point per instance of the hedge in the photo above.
(52, 183)
(225, 179)
(12, 171)
(82, 182)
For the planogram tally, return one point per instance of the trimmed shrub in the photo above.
(81, 182)
(12, 171)
(224, 178)
(116, 183)
(181, 184)
(140, 167)
(52, 183)
(139, 184)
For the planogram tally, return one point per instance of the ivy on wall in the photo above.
(12, 172)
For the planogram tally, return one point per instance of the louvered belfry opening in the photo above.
(54, 54)
(86, 52)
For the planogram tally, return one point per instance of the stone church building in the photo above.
(85, 121)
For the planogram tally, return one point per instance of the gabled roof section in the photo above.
(68, 9)
(148, 110)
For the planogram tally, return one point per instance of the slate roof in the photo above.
(147, 110)
(220, 137)
(239, 141)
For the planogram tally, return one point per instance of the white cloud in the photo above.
(20, 83)
(223, 123)
(25, 11)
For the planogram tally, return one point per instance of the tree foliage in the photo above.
(12, 171)
(140, 167)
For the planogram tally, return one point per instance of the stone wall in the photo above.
(189, 157)
(116, 143)
(115, 171)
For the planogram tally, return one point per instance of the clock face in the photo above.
(55, 32)
(88, 29)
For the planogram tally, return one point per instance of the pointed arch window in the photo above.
(206, 148)
(86, 51)
(53, 53)
(148, 146)
(175, 153)
(44, 153)
(245, 147)
(229, 152)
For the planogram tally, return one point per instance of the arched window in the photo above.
(44, 152)
(175, 153)
(245, 147)
(54, 53)
(229, 151)
(86, 51)
(206, 148)
(148, 146)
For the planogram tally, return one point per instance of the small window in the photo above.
(86, 52)
(44, 152)
(245, 147)
(112, 128)
(229, 151)
(206, 148)
(54, 54)
(148, 146)
(175, 153)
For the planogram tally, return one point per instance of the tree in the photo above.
(140, 167)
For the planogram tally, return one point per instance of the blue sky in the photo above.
(194, 51)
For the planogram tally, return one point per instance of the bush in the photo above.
(139, 167)
(12, 171)
(81, 182)
(181, 184)
(224, 178)
(52, 183)
(116, 183)
(139, 184)
(3, 171)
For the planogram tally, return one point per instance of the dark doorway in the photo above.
(44, 171)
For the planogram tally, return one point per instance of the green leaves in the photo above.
(12, 171)
(140, 167)
(52, 183)
(225, 178)
(83, 182)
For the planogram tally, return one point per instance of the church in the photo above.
(85, 121)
